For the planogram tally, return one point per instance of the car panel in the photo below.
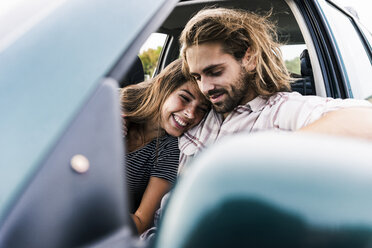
(48, 74)
(69, 201)
(118, 71)
(273, 189)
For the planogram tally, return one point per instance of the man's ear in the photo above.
(249, 60)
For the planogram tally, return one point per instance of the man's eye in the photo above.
(197, 78)
(216, 73)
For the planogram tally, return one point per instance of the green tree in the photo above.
(293, 65)
(149, 60)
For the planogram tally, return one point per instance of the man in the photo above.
(238, 66)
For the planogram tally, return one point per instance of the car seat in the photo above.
(305, 85)
(135, 74)
(249, 191)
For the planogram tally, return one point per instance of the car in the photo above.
(62, 176)
(272, 189)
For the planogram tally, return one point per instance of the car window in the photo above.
(354, 57)
(150, 52)
(291, 56)
(151, 49)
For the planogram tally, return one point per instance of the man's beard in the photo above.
(236, 94)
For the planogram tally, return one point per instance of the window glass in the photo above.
(354, 57)
(150, 51)
(291, 56)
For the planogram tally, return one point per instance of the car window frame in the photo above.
(122, 65)
(353, 79)
(325, 51)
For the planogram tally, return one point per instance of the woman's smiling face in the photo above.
(183, 109)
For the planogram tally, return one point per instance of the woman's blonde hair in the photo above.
(236, 31)
(142, 102)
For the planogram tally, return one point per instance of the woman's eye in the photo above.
(204, 110)
(185, 98)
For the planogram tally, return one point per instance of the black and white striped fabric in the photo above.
(146, 162)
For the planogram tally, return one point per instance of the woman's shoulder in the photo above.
(167, 158)
(168, 144)
(168, 139)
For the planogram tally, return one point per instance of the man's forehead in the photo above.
(199, 57)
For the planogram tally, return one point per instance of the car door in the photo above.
(352, 48)
(62, 179)
(342, 48)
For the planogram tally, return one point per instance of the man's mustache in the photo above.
(215, 92)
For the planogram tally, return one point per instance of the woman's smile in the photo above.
(183, 109)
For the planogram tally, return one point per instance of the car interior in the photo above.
(289, 34)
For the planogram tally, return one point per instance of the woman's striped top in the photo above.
(146, 162)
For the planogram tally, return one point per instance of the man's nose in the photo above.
(205, 85)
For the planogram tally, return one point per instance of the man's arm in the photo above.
(354, 122)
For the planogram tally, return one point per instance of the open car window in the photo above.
(150, 53)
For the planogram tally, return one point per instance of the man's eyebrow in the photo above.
(189, 93)
(206, 69)
(211, 67)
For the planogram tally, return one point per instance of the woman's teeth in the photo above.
(179, 121)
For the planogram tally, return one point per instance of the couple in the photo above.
(237, 65)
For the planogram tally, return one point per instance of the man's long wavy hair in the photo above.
(236, 31)
(143, 102)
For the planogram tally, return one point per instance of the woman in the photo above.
(155, 113)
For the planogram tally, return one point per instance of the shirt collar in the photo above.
(255, 105)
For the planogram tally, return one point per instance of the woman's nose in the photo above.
(190, 112)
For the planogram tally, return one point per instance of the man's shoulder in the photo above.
(280, 98)
(210, 119)
(263, 102)
(199, 135)
(284, 95)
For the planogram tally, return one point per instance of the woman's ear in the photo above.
(249, 60)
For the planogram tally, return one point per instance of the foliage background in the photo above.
(149, 60)
(293, 65)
